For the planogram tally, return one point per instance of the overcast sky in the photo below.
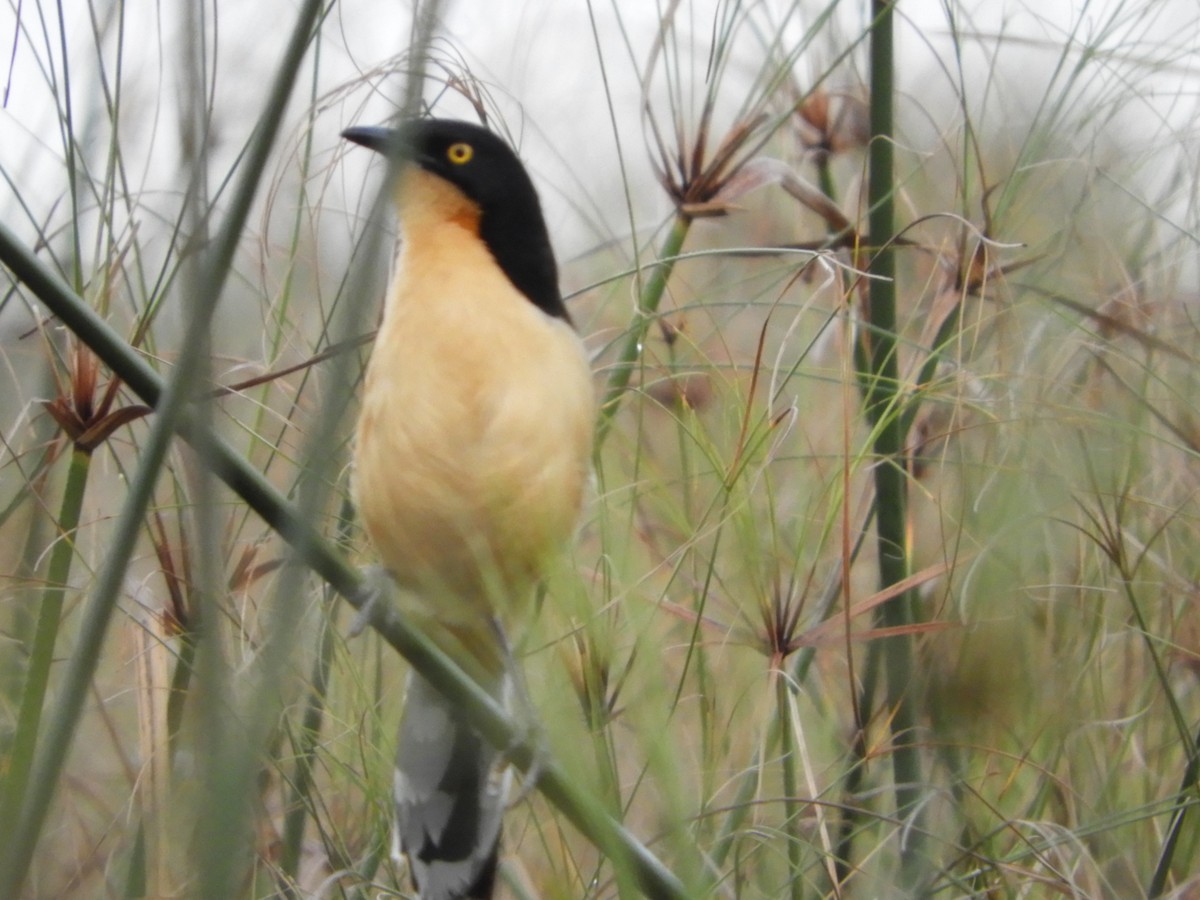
(561, 73)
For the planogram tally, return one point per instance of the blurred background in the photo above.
(713, 661)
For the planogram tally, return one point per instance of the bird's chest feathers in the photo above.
(477, 414)
(462, 356)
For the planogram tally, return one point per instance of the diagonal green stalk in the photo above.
(172, 412)
(1184, 799)
(176, 416)
(319, 554)
(630, 350)
(1109, 531)
(45, 638)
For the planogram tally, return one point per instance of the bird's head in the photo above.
(493, 195)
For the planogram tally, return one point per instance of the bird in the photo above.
(472, 455)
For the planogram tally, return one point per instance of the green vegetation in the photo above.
(889, 583)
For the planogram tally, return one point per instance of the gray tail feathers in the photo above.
(451, 788)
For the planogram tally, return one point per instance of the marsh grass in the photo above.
(889, 580)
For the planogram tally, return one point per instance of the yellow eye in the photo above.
(460, 153)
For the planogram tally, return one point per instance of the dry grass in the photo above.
(707, 663)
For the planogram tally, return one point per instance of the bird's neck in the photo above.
(427, 204)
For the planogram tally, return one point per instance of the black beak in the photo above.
(388, 141)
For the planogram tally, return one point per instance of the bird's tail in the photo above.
(451, 787)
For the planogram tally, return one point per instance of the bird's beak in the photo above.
(388, 141)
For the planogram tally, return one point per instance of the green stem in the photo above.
(791, 791)
(883, 402)
(307, 741)
(173, 414)
(857, 774)
(649, 299)
(946, 332)
(1185, 799)
(320, 555)
(825, 174)
(743, 803)
(25, 828)
(310, 733)
(41, 656)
